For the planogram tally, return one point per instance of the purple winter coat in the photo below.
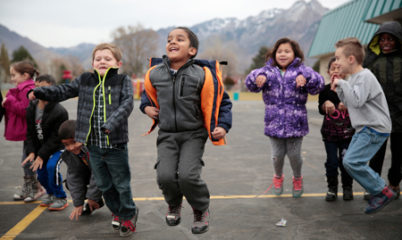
(285, 105)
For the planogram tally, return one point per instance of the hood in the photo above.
(393, 28)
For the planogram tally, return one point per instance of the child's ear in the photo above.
(26, 76)
(351, 59)
(192, 51)
(119, 64)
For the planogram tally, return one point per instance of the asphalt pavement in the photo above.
(238, 176)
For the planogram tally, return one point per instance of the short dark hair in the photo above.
(295, 47)
(352, 47)
(192, 37)
(67, 129)
(331, 60)
(46, 78)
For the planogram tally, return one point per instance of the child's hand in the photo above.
(218, 133)
(342, 107)
(300, 81)
(152, 112)
(4, 100)
(30, 158)
(334, 82)
(31, 96)
(260, 80)
(77, 211)
(106, 131)
(93, 205)
(37, 164)
(329, 107)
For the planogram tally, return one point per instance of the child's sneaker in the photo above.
(380, 200)
(58, 204)
(47, 201)
(23, 193)
(128, 226)
(278, 184)
(347, 194)
(173, 216)
(201, 222)
(115, 223)
(332, 194)
(297, 190)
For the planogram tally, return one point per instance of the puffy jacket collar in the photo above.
(166, 62)
(393, 28)
(295, 62)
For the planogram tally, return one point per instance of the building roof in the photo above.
(349, 20)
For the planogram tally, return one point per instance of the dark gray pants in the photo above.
(179, 167)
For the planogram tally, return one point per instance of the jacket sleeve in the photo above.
(76, 181)
(225, 113)
(125, 108)
(250, 79)
(58, 93)
(145, 102)
(93, 192)
(322, 98)
(52, 143)
(315, 82)
(18, 107)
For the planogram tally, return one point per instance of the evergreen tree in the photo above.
(259, 60)
(21, 54)
(4, 60)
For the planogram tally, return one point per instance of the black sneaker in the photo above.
(116, 223)
(331, 196)
(201, 222)
(380, 200)
(128, 227)
(366, 196)
(173, 216)
(347, 194)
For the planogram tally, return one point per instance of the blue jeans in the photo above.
(362, 148)
(50, 177)
(112, 175)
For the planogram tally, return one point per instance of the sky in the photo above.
(67, 23)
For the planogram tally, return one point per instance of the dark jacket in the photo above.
(1, 106)
(388, 70)
(186, 99)
(118, 104)
(53, 116)
(80, 180)
(335, 127)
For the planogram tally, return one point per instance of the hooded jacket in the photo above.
(118, 102)
(53, 116)
(388, 70)
(15, 111)
(187, 100)
(285, 105)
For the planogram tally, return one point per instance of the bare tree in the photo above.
(137, 45)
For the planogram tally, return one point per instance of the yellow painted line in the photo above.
(143, 199)
(24, 223)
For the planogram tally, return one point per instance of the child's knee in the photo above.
(166, 178)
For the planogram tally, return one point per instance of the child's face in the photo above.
(284, 55)
(72, 146)
(387, 43)
(17, 78)
(103, 60)
(343, 62)
(335, 71)
(178, 46)
(42, 84)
